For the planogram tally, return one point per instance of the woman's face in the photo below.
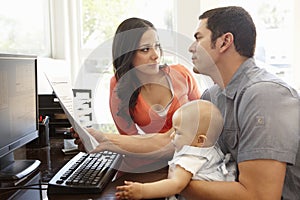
(148, 53)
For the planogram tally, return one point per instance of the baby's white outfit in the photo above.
(204, 163)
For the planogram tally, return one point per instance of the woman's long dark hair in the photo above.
(125, 44)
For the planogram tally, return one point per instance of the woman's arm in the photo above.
(156, 145)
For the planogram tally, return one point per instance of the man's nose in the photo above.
(192, 47)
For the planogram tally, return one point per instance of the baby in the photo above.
(198, 125)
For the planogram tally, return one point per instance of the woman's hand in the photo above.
(98, 135)
(77, 140)
(104, 140)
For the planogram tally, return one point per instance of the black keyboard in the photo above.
(85, 173)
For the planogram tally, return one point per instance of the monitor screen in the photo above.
(18, 112)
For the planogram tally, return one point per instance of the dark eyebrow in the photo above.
(144, 45)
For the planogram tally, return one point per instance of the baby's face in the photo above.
(184, 133)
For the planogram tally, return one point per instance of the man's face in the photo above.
(203, 55)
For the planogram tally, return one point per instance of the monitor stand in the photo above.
(17, 169)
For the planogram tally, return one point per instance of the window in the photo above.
(100, 18)
(25, 27)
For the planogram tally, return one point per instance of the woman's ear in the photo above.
(201, 140)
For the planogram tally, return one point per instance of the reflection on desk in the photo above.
(52, 159)
(36, 194)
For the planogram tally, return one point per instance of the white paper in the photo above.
(63, 91)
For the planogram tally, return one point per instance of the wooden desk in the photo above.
(52, 159)
(109, 192)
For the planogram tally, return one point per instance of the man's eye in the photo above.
(198, 38)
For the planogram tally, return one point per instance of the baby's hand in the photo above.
(131, 190)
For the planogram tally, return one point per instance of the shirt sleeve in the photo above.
(269, 123)
(190, 163)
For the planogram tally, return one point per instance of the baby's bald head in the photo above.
(199, 117)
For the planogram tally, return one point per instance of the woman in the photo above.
(143, 94)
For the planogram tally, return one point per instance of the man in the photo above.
(261, 112)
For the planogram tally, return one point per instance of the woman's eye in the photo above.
(145, 49)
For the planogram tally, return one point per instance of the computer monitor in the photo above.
(18, 113)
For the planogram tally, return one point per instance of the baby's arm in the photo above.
(131, 190)
(164, 188)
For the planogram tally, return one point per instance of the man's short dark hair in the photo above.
(235, 20)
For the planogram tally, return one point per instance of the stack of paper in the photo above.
(64, 92)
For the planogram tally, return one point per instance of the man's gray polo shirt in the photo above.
(262, 120)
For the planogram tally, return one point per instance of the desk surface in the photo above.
(52, 159)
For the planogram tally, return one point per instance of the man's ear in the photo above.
(227, 40)
(201, 139)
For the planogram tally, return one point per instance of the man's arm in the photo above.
(163, 188)
(258, 179)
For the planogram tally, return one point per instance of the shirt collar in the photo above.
(232, 87)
